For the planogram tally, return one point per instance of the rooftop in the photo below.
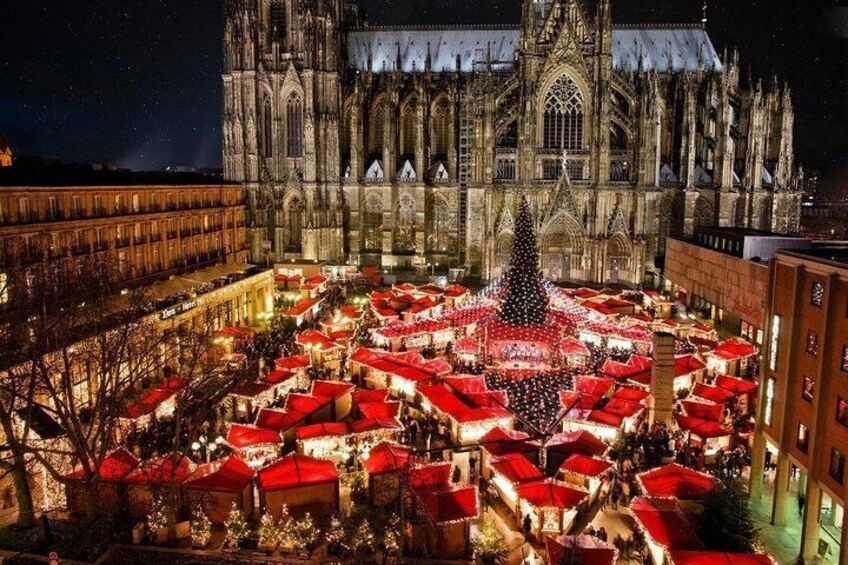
(832, 253)
(69, 176)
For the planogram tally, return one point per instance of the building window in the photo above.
(809, 389)
(266, 139)
(842, 411)
(563, 117)
(769, 408)
(774, 340)
(409, 128)
(802, 441)
(294, 126)
(812, 343)
(817, 294)
(441, 129)
(376, 129)
(837, 465)
(4, 288)
(844, 364)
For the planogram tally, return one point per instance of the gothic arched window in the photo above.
(563, 115)
(294, 126)
(441, 129)
(373, 222)
(346, 134)
(266, 143)
(294, 224)
(439, 232)
(405, 234)
(409, 128)
(375, 131)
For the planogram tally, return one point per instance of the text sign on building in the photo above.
(178, 309)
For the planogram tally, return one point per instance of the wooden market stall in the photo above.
(216, 486)
(551, 506)
(256, 446)
(507, 472)
(504, 441)
(162, 474)
(383, 463)
(115, 466)
(676, 481)
(665, 526)
(302, 484)
(588, 473)
(284, 422)
(580, 550)
(561, 446)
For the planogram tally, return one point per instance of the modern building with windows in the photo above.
(413, 145)
(802, 422)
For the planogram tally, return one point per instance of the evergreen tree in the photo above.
(525, 301)
(727, 524)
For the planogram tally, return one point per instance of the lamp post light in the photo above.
(205, 447)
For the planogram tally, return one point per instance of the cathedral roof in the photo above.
(687, 45)
(473, 45)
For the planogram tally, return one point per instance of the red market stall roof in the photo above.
(361, 397)
(736, 348)
(380, 409)
(687, 364)
(665, 523)
(449, 504)
(516, 468)
(455, 290)
(597, 386)
(292, 363)
(549, 494)
(467, 384)
(579, 550)
(488, 399)
(570, 399)
(241, 436)
(705, 429)
(677, 481)
(604, 418)
(387, 457)
(466, 345)
(406, 329)
(711, 393)
(279, 420)
(306, 404)
(115, 466)
(225, 475)
(396, 365)
(631, 394)
(316, 340)
(735, 385)
(719, 558)
(331, 389)
(235, 332)
(174, 383)
(327, 429)
(584, 465)
(438, 366)
(297, 471)
(426, 476)
(572, 346)
(147, 403)
(500, 441)
(703, 410)
(162, 470)
(375, 424)
(577, 442)
(277, 377)
(301, 307)
(634, 367)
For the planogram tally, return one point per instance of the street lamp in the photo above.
(205, 447)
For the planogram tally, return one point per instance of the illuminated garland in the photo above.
(201, 528)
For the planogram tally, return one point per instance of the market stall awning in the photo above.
(305, 403)
(361, 397)
(147, 404)
(500, 441)
(225, 475)
(380, 409)
(449, 504)
(430, 475)
(677, 481)
(735, 385)
(173, 468)
(623, 408)
(631, 394)
(569, 399)
(466, 346)
(704, 410)
(387, 457)
(597, 386)
(115, 466)
(467, 384)
(375, 425)
(251, 390)
(687, 364)
(584, 465)
(705, 429)
(326, 429)
(279, 420)
(296, 471)
(316, 340)
(736, 348)
(711, 393)
(549, 494)
(241, 436)
(516, 468)
(580, 441)
(293, 363)
(579, 550)
(664, 522)
(279, 376)
(331, 389)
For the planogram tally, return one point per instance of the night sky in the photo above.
(137, 82)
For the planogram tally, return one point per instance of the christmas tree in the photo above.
(525, 301)
(201, 528)
(236, 526)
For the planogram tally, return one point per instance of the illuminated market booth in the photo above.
(712, 436)
(580, 550)
(256, 446)
(383, 463)
(665, 526)
(466, 423)
(507, 472)
(115, 466)
(216, 486)
(560, 447)
(586, 472)
(504, 441)
(677, 482)
(284, 422)
(301, 484)
(551, 506)
(165, 473)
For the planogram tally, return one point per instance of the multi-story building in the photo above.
(413, 145)
(802, 422)
(722, 274)
(147, 226)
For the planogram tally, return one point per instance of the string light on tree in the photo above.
(525, 301)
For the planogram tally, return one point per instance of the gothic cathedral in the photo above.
(403, 146)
